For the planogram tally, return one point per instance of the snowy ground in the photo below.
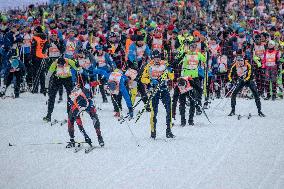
(229, 154)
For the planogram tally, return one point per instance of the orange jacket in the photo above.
(39, 47)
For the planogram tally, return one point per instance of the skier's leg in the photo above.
(142, 92)
(253, 88)
(154, 111)
(71, 120)
(51, 100)
(96, 122)
(115, 103)
(166, 100)
(17, 83)
(234, 96)
(175, 100)
(68, 85)
(190, 94)
(60, 92)
(182, 102)
(102, 90)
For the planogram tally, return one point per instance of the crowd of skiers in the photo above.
(173, 51)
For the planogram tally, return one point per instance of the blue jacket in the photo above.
(109, 61)
(132, 52)
(122, 87)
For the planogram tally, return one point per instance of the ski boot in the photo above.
(2, 91)
(183, 122)
(198, 109)
(71, 144)
(153, 134)
(232, 112)
(88, 140)
(47, 118)
(267, 98)
(273, 97)
(205, 105)
(101, 141)
(105, 100)
(17, 95)
(169, 134)
(117, 115)
(260, 113)
(60, 99)
(148, 109)
(190, 122)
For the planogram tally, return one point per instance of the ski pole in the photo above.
(38, 75)
(123, 118)
(226, 95)
(40, 144)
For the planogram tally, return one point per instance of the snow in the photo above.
(9, 4)
(227, 154)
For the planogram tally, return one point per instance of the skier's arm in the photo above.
(51, 69)
(145, 79)
(248, 72)
(201, 57)
(100, 72)
(230, 73)
(73, 64)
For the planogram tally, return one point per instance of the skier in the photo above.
(62, 76)
(116, 84)
(243, 70)
(190, 65)
(155, 75)
(185, 86)
(103, 61)
(270, 63)
(15, 68)
(38, 51)
(137, 58)
(79, 101)
(56, 48)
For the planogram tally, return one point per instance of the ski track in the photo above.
(202, 156)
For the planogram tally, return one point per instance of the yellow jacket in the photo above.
(146, 77)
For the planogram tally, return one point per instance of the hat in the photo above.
(53, 32)
(98, 47)
(171, 27)
(156, 54)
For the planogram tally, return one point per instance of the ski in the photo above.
(8, 96)
(55, 121)
(247, 116)
(89, 149)
(78, 148)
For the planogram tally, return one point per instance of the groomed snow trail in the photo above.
(228, 154)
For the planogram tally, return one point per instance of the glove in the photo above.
(154, 82)
(80, 70)
(130, 113)
(170, 69)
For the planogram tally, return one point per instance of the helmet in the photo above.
(156, 54)
(271, 44)
(240, 30)
(53, 32)
(98, 47)
(38, 29)
(181, 82)
(112, 34)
